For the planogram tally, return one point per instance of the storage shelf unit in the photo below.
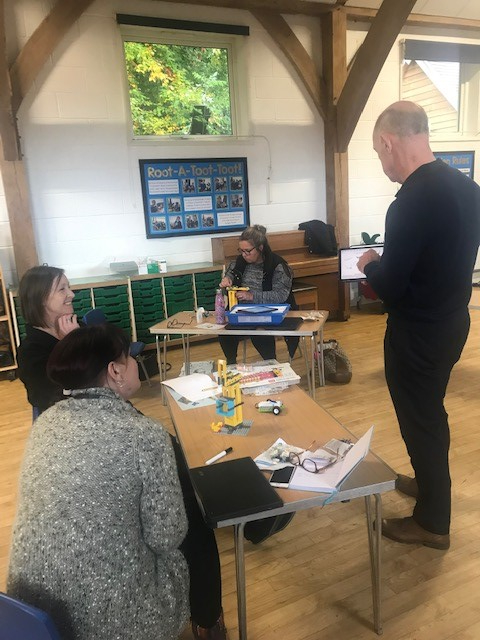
(137, 302)
(8, 351)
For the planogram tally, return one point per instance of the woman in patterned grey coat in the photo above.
(101, 515)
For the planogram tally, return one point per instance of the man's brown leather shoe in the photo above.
(407, 485)
(406, 530)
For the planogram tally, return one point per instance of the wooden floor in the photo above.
(312, 581)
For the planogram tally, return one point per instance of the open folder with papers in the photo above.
(194, 387)
(329, 480)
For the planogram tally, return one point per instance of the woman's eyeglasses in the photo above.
(246, 252)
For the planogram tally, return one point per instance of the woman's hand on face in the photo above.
(244, 296)
(225, 282)
(66, 324)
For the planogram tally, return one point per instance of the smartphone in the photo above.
(281, 477)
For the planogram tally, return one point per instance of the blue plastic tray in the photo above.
(243, 314)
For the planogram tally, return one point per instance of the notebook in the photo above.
(233, 489)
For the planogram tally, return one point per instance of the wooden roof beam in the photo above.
(41, 45)
(9, 149)
(301, 7)
(308, 8)
(359, 14)
(280, 31)
(367, 65)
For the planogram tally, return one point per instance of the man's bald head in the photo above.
(400, 137)
(403, 119)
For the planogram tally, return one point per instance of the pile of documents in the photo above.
(257, 376)
(266, 374)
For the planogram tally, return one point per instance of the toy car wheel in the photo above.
(276, 410)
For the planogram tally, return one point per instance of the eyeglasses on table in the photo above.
(174, 324)
(311, 465)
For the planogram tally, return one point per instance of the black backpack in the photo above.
(319, 237)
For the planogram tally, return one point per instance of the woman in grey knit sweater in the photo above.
(101, 516)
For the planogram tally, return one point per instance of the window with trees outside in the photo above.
(181, 83)
(444, 78)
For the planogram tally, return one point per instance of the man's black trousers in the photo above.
(419, 358)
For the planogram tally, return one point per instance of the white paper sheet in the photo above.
(194, 387)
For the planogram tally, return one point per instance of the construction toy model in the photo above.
(229, 403)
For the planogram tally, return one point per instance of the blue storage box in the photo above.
(244, 314)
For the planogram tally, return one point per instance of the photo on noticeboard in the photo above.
(194, 196)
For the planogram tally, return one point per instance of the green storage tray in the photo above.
(207, 302)
(180, 296)
(146, 285)
(145, 321)
(109, 301)
(118, 318)
(81, 308)
(208, 279)
(176, 282)
(110, 292)
(82, 293)
(148, 301)
(174, 308)
(145, 336)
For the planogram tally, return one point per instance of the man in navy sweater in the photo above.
(424, 277)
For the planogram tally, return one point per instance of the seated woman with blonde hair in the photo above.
(46, 303)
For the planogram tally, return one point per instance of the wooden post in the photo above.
(334, 38)
(21, 227)
(13, 170)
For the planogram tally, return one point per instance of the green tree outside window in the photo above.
(178, 89)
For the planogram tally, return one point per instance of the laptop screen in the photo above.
(348, 258)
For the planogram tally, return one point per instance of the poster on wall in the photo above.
(461, 160)
(189, 197)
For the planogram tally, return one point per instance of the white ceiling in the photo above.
(467, 9)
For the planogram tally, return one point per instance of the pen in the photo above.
(219, 455)
(210, 388)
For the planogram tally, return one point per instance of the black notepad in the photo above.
(287, 324)
(233, 489)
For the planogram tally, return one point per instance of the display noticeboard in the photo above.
(189, 197)
(461, 160)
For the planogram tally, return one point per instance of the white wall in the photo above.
(83, 167)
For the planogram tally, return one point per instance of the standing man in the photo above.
(424, 277)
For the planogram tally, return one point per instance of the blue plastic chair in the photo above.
(97, 316)
(23, 621)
